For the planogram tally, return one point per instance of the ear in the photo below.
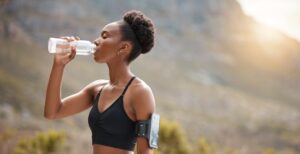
(125, 48)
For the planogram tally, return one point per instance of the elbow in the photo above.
(49, 116)
(49, 113)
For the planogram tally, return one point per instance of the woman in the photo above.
(116, 103)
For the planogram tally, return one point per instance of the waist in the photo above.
(126, 142)
(102, 149)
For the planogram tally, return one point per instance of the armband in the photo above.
(149, 129)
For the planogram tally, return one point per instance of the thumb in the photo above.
(73, 52)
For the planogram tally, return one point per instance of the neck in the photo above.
(119, 73)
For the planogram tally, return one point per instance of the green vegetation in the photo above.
(269, 151)
(204, 147)
(172, 139)
(42, 143)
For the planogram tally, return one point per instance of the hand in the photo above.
(64, 58)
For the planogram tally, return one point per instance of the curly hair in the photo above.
(138, 29)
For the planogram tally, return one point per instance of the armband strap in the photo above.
(149, 129)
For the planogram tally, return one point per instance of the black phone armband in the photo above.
(149, 129)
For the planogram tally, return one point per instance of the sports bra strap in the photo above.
(128, 85)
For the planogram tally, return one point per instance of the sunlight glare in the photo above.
(278, 14)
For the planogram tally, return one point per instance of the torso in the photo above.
(109, 95)
(102, 149)
(107, 98)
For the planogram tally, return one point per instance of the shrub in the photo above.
(42, 143)
(204, 147)
(172, 139)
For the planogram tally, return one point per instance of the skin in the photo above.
(138, 100)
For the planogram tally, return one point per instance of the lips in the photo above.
(97, 48)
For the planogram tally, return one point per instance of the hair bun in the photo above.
(143, 28)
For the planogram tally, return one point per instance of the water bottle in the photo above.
(83, 47)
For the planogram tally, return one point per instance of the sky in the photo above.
(283, 15)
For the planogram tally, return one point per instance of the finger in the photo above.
(64, 37)
(72, 38)
(69, 55)
(73, 51)
(77, 38)
(72, 55)
(68, 38)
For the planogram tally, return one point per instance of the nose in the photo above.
(96, 42)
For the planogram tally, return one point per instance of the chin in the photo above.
(97, 60)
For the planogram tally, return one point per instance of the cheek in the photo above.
(108, 46)
(105, 52)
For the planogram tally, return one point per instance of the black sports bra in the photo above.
(112, 127)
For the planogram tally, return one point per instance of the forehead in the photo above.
(112, 28)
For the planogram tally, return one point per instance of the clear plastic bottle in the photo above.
(83, 47)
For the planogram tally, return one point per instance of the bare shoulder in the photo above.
(140, 87)
(93, 87)
(142, 99)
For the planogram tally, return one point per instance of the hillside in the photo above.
(221, 74)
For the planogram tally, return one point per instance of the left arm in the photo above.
(144, 105)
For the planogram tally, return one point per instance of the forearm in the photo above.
(53, 94)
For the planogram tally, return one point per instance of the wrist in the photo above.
(58, 65)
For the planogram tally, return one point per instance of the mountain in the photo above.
(221, 74)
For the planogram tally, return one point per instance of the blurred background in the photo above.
(225, 73)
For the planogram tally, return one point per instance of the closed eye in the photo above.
(104, 34)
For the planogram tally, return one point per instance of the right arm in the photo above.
(55, 107)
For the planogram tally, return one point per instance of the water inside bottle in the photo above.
(83, 47)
